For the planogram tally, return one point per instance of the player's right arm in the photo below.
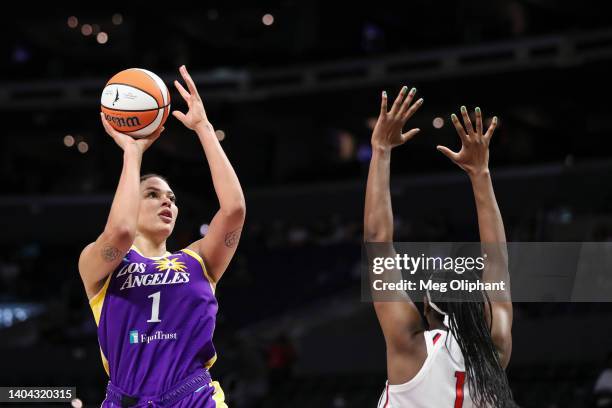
(101, 257)
(400, 320)
(474, 159)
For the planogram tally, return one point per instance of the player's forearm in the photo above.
(490, 222)
(378, 213)
(225, 181)
(490, 225)
(123, 216)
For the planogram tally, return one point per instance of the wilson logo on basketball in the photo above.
(119, 121)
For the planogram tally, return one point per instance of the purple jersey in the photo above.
(156, 318)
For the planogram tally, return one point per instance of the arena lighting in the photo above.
(203, 229)
(21, 54)
(213, 14)
(371, 123)
(117, 19)
(78, 353)
(68, 140)
(13, 313)
(76, 403)
(86, 30)
(102, 37)
(83, 147)
(220, 134)
(364, 153)
(73, 22)
(267, 19)
(438, 122)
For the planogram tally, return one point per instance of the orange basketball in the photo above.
(135, 102)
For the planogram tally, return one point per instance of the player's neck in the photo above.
(149, 247)
(436, 324)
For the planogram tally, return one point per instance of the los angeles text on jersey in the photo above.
(136, 276)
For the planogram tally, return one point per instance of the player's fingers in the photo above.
(104, 122)
(410, 134)
(118, 137)
(190, 84)
(406, 104)
(383, 103)
(491, 129)
(182, 91)
(157, 134)
(415, 106)
(478, 123)
(179, 115)
(398, 100)
(107, 127)
(460, 130)
(448, 152)
(468, 122)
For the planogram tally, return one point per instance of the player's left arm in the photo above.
(220, 243)
(400, 320)
(474, 159)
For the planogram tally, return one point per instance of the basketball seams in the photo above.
(135, 87)
(140, 78)
(156, 81)
(160, 85)
(134, 110)
(149, 124)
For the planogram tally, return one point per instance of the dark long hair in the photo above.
(487, 380)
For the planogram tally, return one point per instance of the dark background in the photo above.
(296, 101)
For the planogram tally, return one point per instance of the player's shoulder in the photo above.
(190, 253)
(439, 339)
(435, 335)
(197, 259)
(443, 342)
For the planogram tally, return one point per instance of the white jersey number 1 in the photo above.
(155, 308)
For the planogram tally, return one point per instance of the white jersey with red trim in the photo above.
(440, 383)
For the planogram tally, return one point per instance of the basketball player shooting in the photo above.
(460, 360)
(156, 310)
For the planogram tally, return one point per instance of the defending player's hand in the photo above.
(127, 142)
(388, 130)
(196, 115)
(474, 154)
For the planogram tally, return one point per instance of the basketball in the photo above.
(135, 102)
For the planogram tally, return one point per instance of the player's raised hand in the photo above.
(126, 141)
(196, 115)
(474, 154)
(388, 130)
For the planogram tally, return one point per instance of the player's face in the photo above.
(158, 210)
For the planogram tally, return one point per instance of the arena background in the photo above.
(294, 95)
